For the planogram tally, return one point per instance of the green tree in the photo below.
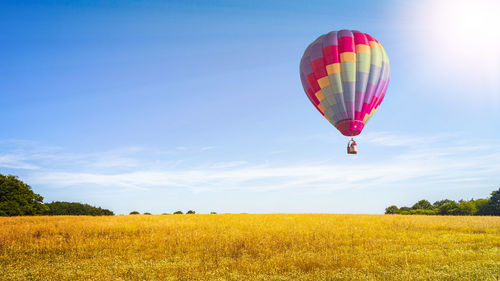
(178, 213)
(392, 210)
(17, 198)
(147, 213)
(481, 206)
(190, 212)
(449, 208)
(134, 213)
(423, 205)
(438, 204)
(493, 206)
(404, 210)
(466, 208)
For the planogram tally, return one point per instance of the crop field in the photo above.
(250, 247)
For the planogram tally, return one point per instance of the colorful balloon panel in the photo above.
(345, 75)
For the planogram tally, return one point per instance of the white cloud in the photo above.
(207, 148)
(15, 161)
(268, 177)
(391, 139)
(424, 160)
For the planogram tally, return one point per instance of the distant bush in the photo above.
(134, 213)
(392, 210)
(404, 209)
(447, 207)
(423, 212)
(75, 209)
(213, 213)
(17, 199)
(190, 212)
(178, 213)
(147, 213)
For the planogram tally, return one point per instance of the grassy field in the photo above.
(250, 247)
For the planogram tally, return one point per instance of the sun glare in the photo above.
(462, 37)
(467, 27)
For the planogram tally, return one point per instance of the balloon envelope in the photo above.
(345, 75)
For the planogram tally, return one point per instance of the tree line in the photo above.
(18, 199)
(479, 207)
(75, 209)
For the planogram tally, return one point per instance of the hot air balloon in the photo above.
(345, 75)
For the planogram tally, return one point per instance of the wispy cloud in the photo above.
(426, 160)
(427, 168)
(15, 161)
(391, 139)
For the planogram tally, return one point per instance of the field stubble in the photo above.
(250, 247)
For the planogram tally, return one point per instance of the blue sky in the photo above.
(161, 106)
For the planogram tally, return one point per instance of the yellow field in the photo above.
(250, 247)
